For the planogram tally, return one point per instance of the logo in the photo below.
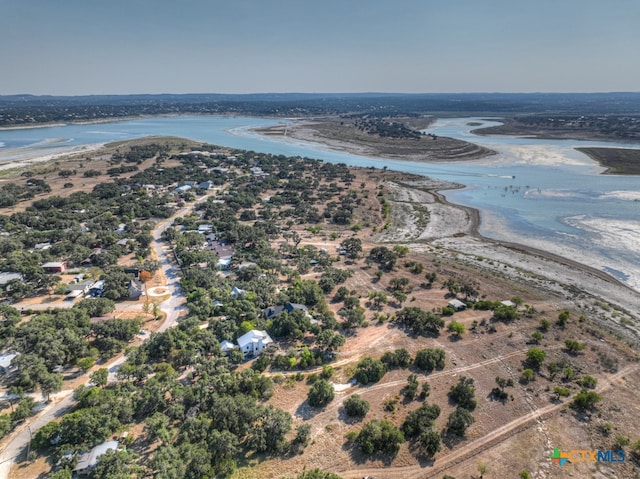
(559, 457)
(583, 455)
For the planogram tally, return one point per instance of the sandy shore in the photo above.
(32, 156)
(425, 221)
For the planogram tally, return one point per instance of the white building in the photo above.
(252, 343)
(88, 460)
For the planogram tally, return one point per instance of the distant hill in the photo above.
(31, 109)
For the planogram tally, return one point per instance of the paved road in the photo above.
(14, 447)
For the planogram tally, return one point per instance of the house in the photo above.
(247, 264)
(82, 287)
(97, 288)
(42, 246)
(136, 289)
(224, 263)
(5, 362)
(508, 303)
(237, 292)
(204, 229)
(457, 305)
(5, 277)
(252, 343)
(206, 185)
(227, 346)
(273, 311)
(54, 266)
(73, 295)
(88, 460)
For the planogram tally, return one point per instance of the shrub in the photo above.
(588, 382)
(585, 400)
(573, 346)
(535, 357)
(527, 375)
(355, 406)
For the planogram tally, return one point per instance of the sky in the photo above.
(78, 47)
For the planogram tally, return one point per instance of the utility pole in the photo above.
(29, 444)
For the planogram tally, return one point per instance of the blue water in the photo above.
(537, 192)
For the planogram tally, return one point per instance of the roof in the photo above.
(98, 284)
(227, 346)
(508, 303)
(456, 303)
(237, 291)
(54, 264)
(254, 336)
(5, 360)
(8, 276)
(289, 308)
(90, 459)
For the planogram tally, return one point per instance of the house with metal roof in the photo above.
(253, 342)
(88, 460)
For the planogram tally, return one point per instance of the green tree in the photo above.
(459, 420)
(268, 431)
(420, 420)
(352, 247)
(527, 375)
(463, 393)
(321, 393)
(116, 465)
(369, 370)
(535, 357)
(379, 436)
(378, 298)
(99, 377)
(456, 328)
(355, 406)
(49, 384)
(586, 400)
(429, 443)
(429, 359)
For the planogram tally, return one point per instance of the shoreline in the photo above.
(473, 214)
(451, 231)
(32, 156)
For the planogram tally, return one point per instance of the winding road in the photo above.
(16, 444)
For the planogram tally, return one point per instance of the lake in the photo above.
(541, 193)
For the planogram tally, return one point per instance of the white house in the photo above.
(252, 343)
(88, 460)
(227, 346)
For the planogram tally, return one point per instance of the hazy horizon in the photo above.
(73, 48)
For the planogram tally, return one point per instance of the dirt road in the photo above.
(474, 448)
